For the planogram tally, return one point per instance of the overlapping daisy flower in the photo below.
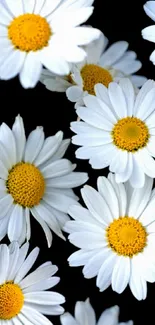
(42, 32)
(118, 130)
(116, 235)
(85, 314)
(101, 65)
(23, 298)
(148, 33)
(34, 178)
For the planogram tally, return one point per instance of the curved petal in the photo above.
(20, 138)
(121, 274)
(34, 144)
(31, 70)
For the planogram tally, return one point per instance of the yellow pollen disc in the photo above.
(130, 133)
(26, 184)
(92, 74)
(11, 300)
(29, 32)
(126, 236)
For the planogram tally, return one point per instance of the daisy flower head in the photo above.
(42, 32)
(23, 298)
(101, 65)
(34, 178)
(116, 235)
(148, 33)
(118, 130)
(85, 314)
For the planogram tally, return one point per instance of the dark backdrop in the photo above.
(119, 21)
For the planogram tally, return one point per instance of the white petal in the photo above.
(28, 225)
(109, 316)
(81, 315)
(102, 93)
(79, 213)
(5, 161)
(73, 179)
(82, 35)
(44, 298)
(47, 310)
(121, 194)
(60, 202)
(29, 6)
(94, 118)
(20, 138)
(123, 177)
(150, 9)
(74, 93)
(117, 99)
(146, 162)
(50, 147)
(121, 274)
(78, 226)
(92, 267)
(5, 204)
(87, 240)
(96, 205)
(147, 215)
(16, 9)
(138, 81)
(57, 168)
(26, 266)
(16, 223)
(56, 64)
(140, 198)
(81, 257)
(28, 314)
(48, 217)
(4, 263)
(8, 141)
(68, 319)
(13, 258)
(43, 284)
(5, 16)
(31, 71)
(34, 144)
(137, 283)
(142, 94)
(113, 53)
(147, 106)
(129, 94)
(105, 272)
(137, 178)
(90, 313)
(48, 7)
(108, 193)
(148, 33)
(12, 65)
(44, 226)
(42, 273)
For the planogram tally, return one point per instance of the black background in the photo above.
(119, 21)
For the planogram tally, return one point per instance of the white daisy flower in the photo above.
(23, 298)
(118, 130)
(116, 235)
(84, 314)
(148, 33)
(42, 32)
(100, 66)
(34, 178)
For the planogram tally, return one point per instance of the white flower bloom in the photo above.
(118, 130)
(34, 33)
(84, 314)
(23, 298)
(116, 235)
(34, 179)
(100, 66)
(148, 33)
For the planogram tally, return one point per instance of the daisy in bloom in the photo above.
(84, 314)
(100, 66)
(23, 298)
(116, 235)
(34, 179)
(148, 33)
(34, 33)
(118, 130)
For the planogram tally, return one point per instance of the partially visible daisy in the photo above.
(42, 32)
(84, 314)
(116, 235)
(118, 130)
(23, 298)
(34, 178)
(100, 66)
(148, 33)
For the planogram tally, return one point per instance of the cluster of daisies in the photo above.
(115, 128)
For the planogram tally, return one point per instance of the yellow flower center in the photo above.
(93, 74)
(126, 236)
(26, 184)
(11, 300)
(29, 32)
(130, 133)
